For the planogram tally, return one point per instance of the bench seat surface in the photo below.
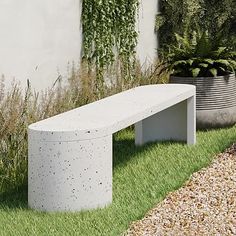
(110, 114)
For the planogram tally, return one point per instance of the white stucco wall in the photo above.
(147, 40)
(40, 37)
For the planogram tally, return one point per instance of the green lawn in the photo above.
(142, 178)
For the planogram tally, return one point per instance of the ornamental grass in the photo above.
(19, 108)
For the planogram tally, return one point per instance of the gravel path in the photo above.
(205, 205)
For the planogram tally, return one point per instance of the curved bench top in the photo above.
(111, 114)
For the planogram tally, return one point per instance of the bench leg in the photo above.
(174, 123)
(191, 119)
(70, 176)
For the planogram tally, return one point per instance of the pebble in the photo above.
(205, 205)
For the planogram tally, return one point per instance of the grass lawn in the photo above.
(142, 178)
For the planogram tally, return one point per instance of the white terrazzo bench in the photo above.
(70, 155)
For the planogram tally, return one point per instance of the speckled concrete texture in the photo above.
(70, 176)
(70, 155)
(162, 126)
(205, 206)
(110, 114)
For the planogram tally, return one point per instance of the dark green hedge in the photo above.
(179, 16)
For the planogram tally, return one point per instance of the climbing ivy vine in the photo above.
(109, 33)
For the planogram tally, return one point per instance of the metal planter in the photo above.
(215, 99)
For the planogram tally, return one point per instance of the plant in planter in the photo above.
(211, 68)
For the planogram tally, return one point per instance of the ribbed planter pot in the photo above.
(216, 99)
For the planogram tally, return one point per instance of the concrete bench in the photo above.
(70, 154)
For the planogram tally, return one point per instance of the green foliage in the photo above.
(198, 56)
(109, 30)
(142, 177)
(177, 16)
(19, 109)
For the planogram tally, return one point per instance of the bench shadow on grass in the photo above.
(123, 151)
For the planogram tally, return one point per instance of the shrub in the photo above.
(178, 15)
(197, 55)
(18, 109)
